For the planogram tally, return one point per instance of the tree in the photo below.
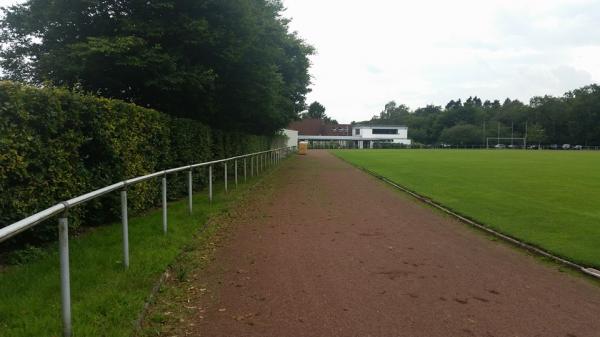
(230, 63)
(316, 110)
(462, 134)
(535, 134)
(392, 114)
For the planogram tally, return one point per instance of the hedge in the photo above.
(56, 144)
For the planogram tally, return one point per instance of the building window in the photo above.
(385, 131)
(356, 132)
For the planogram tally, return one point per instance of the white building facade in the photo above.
(364, 137)
(291, 137)
(370, 134)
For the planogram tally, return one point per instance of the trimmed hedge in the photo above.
(56, 144)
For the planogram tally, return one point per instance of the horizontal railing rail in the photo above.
(258, 162)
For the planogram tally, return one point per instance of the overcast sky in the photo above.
(430, 51)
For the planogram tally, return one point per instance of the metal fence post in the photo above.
(225, 175)
(164, 203)
(235, 172)
(190, 191)
(125, 222)
(210, 196)
(65, 285)
(245, 176)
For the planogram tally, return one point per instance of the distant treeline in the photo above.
(573, 118)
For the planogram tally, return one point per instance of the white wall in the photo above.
(367, 132)
(292, 137)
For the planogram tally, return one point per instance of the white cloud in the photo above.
(432, 51)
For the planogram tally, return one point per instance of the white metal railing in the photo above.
(258, 162)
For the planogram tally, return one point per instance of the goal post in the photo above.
(502, 142)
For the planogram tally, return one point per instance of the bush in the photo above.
(56, 144)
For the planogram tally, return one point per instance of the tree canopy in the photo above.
(230, 63)
(317, 110)
(573, 118)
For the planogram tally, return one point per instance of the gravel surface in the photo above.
(328, 250)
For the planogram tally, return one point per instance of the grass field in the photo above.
(106, 299)
(547, 198)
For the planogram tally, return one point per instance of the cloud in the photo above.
(565, 25)
(570, 77)
(374, 69)
(432, 51)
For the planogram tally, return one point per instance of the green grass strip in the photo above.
(106, 298)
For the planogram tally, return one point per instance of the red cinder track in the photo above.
(331, 251)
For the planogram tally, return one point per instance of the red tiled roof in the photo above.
(319, 127)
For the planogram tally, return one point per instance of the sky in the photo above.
(429, 52)
(423, 52)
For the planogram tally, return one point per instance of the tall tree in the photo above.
(536, 134)
(316, 110)
(230, 63)
(462, 134)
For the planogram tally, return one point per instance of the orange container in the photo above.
(302, 147)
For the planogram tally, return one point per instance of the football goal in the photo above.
(503, 142)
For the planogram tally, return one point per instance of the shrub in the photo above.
(56, 144)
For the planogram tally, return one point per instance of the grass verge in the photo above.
(106, 298)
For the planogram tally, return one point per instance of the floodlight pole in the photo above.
(525, 139)
(484, 135)
(512, 133)
(498, 142)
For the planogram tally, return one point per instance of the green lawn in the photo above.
(548, 198)
(106, 298)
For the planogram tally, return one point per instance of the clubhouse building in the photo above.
(319, 133)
